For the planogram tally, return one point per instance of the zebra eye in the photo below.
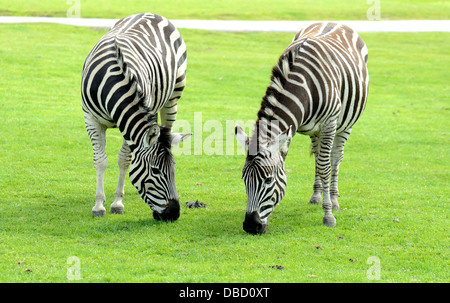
(155, 171)
(268, 180)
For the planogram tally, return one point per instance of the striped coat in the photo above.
(136, 71)
(318, 88)
(142, 62)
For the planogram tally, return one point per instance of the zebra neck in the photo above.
(280, 110)
(133, 122)
(274, 118)
(266, 131)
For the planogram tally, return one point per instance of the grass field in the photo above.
(234, 9)
(393, 180)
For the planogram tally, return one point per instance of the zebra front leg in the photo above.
(99, 209)
(337, 154)
(123, 161)
(327, 135)
(316, 198)
(97, 134)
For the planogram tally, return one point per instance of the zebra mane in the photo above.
(262, 137)
(267, 126)
(277, 81)
(267, 123)
(165, 137)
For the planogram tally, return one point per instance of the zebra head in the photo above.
(152, 172)
(264, 176)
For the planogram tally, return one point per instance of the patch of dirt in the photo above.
(195, 204)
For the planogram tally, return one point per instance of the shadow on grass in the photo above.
(71, 217)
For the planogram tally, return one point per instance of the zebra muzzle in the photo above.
(170, 213)
(253, 224)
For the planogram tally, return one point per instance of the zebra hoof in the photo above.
(329, 221)
(334, 203)
(98, 213)
(315, 199)
(117, 210)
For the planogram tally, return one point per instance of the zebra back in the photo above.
(147, 50)
(321, 76)
(132, 71)
(336, 31)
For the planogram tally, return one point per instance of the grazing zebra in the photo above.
(135, 71)
(318, 88)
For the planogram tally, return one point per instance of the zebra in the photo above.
(135, 71)
(318, 88)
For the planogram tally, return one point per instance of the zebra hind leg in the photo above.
(123, 161)
(327, 135)
(316, 198)
(337, 154)
(97, 134)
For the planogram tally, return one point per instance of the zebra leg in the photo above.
(327, 135)
(123, 161)
(337, 154)
(97, 134)
(316, 198)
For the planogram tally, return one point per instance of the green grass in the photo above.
(234, 9)
(393, 180)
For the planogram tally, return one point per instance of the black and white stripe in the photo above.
(263, 196)
(136, 71)
(318, 88)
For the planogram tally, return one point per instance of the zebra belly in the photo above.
(107, 122)
(315, 129)
(309, 129)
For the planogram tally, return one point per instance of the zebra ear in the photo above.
(152, 135)
(177, 138)
(241, 137)
(284, 140)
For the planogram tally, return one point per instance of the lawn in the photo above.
(234, 9)
(393, 180)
